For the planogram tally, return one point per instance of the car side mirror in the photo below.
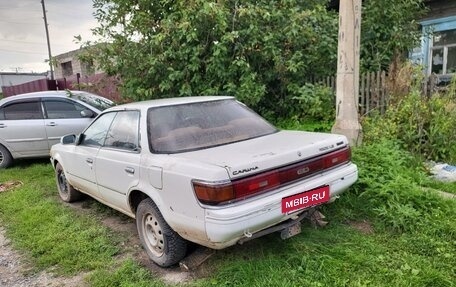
(87, 114)
(68, 139)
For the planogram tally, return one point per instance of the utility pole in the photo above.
(347, 82)
(47, 38)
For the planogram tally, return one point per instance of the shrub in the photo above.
(423, 125)
(295, 123)
(312, 101)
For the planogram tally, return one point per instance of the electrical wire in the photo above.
(28, 42)
(22, 52)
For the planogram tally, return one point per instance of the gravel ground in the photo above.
(14, 272)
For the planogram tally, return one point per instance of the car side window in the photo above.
(63, 109)
(124, 131)
(23, 111)
(95, 134)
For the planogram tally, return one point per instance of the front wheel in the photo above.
(66, 191)
(5, 157)
(163, 245)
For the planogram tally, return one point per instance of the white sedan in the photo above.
(201, 169)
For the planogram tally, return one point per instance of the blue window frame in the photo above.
(438, 49)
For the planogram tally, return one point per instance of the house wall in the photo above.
(440, 9)
(69, 57)
(76, 65)
(432, 26)
(440, 18)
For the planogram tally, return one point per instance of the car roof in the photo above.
(170, 102)
(59, 94)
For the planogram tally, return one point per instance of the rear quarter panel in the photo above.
(176, 199)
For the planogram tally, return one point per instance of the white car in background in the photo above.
(201, 169)
(31, 123)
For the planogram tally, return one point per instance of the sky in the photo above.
(23, 46)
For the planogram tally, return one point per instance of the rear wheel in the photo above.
(66, 191)
(163, 245)
(5, 157)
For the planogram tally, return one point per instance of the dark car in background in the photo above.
(31, 123)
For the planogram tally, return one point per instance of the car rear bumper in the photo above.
(227, 225)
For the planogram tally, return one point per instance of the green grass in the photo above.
(339, 255)
(413, 242)
(55, 237)
(128, 274)
(51, 233)
(334, 256)
(449, 187)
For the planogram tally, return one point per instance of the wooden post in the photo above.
(347, 83)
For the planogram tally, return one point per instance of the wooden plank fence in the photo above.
(374, 92)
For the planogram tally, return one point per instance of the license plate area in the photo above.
(291, 231)
(305, 199)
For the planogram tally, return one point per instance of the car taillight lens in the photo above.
(214, 193)
(336, 158)
(257, 183)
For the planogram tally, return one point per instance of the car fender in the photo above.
(148, 191)
(186, 226)
(8, 147)
(55, 158)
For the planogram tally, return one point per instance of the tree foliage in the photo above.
(262, 52)
(389, 29)
(248, 49)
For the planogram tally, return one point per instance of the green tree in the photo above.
(248, 49)
(389, 29)
(262, 52)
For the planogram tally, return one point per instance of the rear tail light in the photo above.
(257, 183)
(336, 158)
(214, 193)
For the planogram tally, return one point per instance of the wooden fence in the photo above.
(374, 89)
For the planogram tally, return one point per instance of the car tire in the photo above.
(163, 245)
(5, 157)
(66, 191)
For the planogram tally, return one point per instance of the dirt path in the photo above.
(14, 271)
(131, 246)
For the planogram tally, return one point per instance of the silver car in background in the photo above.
(31, 123)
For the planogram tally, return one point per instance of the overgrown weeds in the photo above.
(392, 180)
(422, 125)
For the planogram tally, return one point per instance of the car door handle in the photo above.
(2, 126)
(51, 124)
(130, 170)
(89, 160)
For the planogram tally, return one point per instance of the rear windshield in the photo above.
(95, 101)
(186, 127)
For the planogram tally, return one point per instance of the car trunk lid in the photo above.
(265, 153)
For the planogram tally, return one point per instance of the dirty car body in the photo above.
(201, 169)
